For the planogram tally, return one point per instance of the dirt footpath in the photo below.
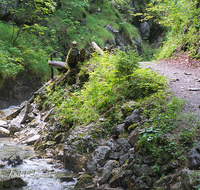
(184, 80)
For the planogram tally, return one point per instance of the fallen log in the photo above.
(96, 47)
(57, 64)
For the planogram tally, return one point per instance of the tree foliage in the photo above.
(182, 20)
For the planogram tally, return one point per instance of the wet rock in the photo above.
(66, 179)
(107, 171)
(98, 156)
(133, 118)
(21, 118)
(4, 132)
(194, 157)
(3, 124)
(12, 183)
(134, 137)
(50, 161)
(32, 140)
(117, 130)
(2, 164)
(83, 181)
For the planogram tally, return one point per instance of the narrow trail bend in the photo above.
(184, 80)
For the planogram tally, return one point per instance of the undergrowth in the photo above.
(165, 133)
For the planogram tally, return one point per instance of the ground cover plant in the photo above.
(165, 133)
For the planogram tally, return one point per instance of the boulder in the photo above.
(189, 179)
(134, 136)
(21, 118)
(121, 179)
(166, 181)
(14, 128)
(32, 140)
(98, 156)
(128, 108)
(5, 7)
(4, 132)
(118, 148)
(145, 30)
(3, 124)
(66, 178)
(73, 160)
(194, 157)
(12, 183)
(48, 115)
(84, 181)
(107, 171)
(117, 130)
(133, 118)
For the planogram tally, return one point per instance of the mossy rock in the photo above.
(132, 127)
(83, 75)
(83, 181)
(12, 182)
(128, 108)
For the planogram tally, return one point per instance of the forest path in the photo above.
(184, 80)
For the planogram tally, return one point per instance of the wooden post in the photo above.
(51, 56)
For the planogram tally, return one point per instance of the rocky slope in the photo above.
(102, 160)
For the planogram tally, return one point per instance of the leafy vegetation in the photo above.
(182, 21)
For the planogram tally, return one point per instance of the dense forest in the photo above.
(32, 30)
(115, 122)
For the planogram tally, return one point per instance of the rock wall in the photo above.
(15, 91)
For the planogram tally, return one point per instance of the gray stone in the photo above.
(145, 29)
(47, 116)
(189, 179)
(4, 132)
(118, 129)
(32, 140)
(14, 128)
(107, 171)
(123, 159)
(134, 136)
(133, 118)
(171, 179)
(3, 124)
(118, 178)
(194, 157)
(119, 148)
(99, 155)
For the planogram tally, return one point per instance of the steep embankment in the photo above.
(117, 123)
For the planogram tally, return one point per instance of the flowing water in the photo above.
(36, 172)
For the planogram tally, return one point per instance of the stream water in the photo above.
(39, 174)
